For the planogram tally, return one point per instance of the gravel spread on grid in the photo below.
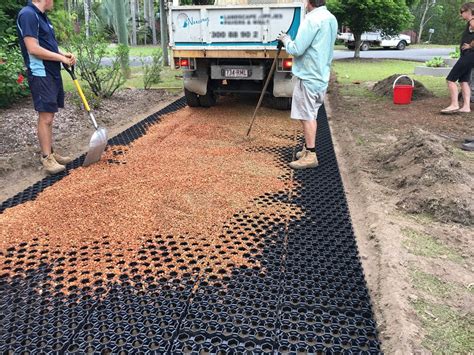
(181, 181)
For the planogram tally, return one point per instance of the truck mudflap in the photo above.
(283, 84)
(196, 81)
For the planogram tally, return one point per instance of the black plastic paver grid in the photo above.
(305, 292)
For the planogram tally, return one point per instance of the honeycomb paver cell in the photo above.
(301, 289)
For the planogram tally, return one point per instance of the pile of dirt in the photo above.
(385, 87)
(429, 177)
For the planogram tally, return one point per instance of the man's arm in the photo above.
(33, 48)
(303, 40)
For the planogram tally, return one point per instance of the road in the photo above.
(416, 54)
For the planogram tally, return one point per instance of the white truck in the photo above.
(229, 47)
(376, 39)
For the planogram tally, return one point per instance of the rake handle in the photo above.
(270, 74)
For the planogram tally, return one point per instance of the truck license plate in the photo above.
(236, 73)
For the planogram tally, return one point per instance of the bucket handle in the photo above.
(401, 76)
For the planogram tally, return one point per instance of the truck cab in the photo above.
(229, 47)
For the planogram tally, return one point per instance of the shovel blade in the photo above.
(97, 146)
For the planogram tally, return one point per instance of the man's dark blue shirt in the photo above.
(32, 22)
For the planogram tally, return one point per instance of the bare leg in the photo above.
(466, 95)
(45, 132)
(453, 93)
(309, 128)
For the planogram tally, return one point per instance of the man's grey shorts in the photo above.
(305, 104)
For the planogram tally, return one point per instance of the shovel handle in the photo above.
(70, 70)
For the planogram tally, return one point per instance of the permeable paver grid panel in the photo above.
(301, 289)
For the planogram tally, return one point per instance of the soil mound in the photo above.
(429, 177)
(385, 87)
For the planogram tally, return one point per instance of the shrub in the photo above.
(63, 25)
(436, 62)
(152, 71)
(103, 80)
(13, 83)
(456, 54)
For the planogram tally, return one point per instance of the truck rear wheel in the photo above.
(192, 99)
(209, 99)
(279, 103)
(364, 46)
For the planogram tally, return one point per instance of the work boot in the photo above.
(468, 146)
(301, 152)
(307, 161)
(51, 166)
(62, 160)
(469, 139)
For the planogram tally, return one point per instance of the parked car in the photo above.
(376, 39)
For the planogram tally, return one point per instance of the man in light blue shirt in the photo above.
(313, 50)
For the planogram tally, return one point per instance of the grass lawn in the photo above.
(363, 71)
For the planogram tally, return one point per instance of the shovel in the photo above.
(270, 74)
(99, 138)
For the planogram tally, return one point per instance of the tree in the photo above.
(445, 20)
(153, 21)
(122, 34)
(133, 10)
(424, 11)
(389, 16)
(87, 16)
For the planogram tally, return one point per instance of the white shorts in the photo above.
(305, 104)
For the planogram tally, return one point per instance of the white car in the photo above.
(376, 39)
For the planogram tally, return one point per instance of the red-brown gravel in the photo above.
(187, 176)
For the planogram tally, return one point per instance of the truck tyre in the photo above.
(401, 45)
(209, 99)
(279, 103)
(192, 99)
(364, 46)
(351, 47)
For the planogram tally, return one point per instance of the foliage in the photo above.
(8, 11)
(102, 80)
(13, 83)
(436, 62)
(63, 25)
(445, 21)
(152, 71)
(456, 54)
(389, 16)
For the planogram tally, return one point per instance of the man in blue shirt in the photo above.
(43, 61)
(313, 50)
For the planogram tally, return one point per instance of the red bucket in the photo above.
(402, 93)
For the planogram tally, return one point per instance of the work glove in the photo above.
(284, 38)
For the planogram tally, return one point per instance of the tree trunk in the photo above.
(121, 23)
(357, 39)
(153, 21)
(87, 17)
(164, 32)
(146, 14)
(423, 22)
(133, 8)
